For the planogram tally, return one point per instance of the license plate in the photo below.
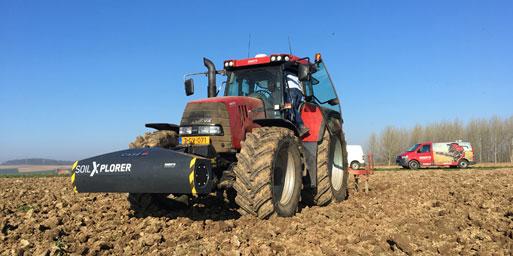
(200, 140)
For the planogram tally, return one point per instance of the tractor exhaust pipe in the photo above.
(212, 89)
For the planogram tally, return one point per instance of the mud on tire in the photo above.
(269, 160)
(145, 203)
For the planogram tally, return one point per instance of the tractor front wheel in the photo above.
(268, 173)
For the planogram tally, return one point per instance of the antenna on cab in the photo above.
(249, 43)
(290, 47)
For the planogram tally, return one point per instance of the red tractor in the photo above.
(243, 141)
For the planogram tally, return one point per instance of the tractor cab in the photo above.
(265, 77)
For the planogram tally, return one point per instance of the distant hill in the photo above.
(36, 161)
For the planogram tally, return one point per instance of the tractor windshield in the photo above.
(264, 83)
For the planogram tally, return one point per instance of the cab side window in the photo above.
(425, 149)
(323, 88)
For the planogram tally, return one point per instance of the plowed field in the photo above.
(421, 212)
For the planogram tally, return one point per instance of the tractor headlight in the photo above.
(201, 130)
(185, 130)
(216, 130)
(280, 58)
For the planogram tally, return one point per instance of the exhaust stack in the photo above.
(212, 89)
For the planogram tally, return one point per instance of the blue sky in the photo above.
(80, 78)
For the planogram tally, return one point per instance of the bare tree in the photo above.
(390, 144)
(417, 134)
(496, 135)
(374, 148)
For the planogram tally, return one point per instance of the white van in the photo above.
(355, 156)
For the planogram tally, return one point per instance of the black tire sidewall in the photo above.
(289, 209)
(355, 163)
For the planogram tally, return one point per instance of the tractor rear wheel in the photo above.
(332, 172)
(146, 203)
(268, 173)
(339, 173)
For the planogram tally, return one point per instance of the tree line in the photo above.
(492, 139)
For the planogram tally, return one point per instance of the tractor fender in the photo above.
(324, 128)
(332, 125)
(277, 123)
(164, 127)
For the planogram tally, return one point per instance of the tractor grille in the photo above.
(205, 113)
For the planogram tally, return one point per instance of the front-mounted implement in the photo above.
(146, 170)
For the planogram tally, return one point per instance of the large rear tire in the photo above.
(339, 172)
(148, 203)
(268, 173)
(332, 173)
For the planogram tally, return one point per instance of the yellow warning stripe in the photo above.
(191, 176)
(73, 176)
(193, 161)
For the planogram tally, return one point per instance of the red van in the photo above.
(452, 154)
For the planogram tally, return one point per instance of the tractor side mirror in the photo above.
(189, 87)
(333, 102)
(303, 72)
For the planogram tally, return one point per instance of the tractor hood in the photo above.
(235, 114)
(231, 100)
